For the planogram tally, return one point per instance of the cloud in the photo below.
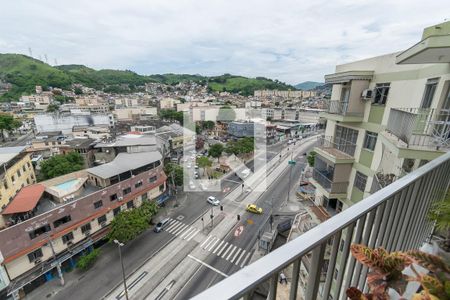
(289, 40)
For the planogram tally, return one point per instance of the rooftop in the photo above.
(26, 200)
(8, 153)
(125, 162)
(129, 140)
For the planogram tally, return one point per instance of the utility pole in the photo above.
(174, 188)
(292, 163)
(58, 264)
(212, 216)
(119, 244)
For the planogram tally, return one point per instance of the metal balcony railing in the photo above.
(394, 217)
(341, 108)
(421, 126)
(327, 142)
(328, 184)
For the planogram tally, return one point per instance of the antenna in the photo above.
(30, 52)
(46, 60)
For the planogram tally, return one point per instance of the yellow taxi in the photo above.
(254, 209)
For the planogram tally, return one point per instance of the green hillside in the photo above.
(308, 85)
(24, 73)
(243, 85)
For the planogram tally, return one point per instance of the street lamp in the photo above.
(120, 245)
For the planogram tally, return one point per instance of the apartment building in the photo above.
(388, 116)
(51, 223)
(16, 172)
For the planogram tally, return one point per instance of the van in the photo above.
(160, 226)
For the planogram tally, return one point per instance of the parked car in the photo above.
(161, 225)
(245, 173)
(191, 185)
(254, 209)
(213, 200)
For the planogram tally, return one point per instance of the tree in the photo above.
(440, 213)
(8, 123)
(199, 143)
(61, 164)
(78, 91)
(311, 158)
(226, 114)
(216, 151)
(127, 225)
(52, 107)
(86, 261)
(177, 171)
(203, 162)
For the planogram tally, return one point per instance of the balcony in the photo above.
(418, 129)
(341, 152)
(342, 112)
(333, 188)
(394, 218)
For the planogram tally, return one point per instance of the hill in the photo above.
(24, 73)
(243, 85)
(308, 85)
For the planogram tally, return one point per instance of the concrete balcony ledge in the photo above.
(431, 50)
(334, 155)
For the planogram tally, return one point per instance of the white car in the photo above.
(196, 167)
(213, 200)
(188, 166)
(290, 141)
(245, 173)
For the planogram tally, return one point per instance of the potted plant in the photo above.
(386, 274)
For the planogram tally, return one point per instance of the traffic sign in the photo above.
(292, 162)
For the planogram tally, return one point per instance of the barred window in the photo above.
(98, 204)
(370, 140)
(381, 93)
(67, 238)
(360, 181)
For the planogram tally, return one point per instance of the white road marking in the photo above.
(231, 253)
(208, 266)
(192, 235)
(201, 246)
(234, 257)
(245, 259)
(242, 254)
(212, 246)
(225, 253)
(172, 224)
(173, 228)
(187, 232)
(210, 242)
(224, 247)
(218, 247)
(179, 230)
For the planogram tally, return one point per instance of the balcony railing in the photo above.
(394, 218)
(327, 142)
(421, 127)
(328, 184)
(341, 108)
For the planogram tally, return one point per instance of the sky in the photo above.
(292, 41)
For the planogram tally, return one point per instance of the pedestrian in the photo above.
(283, 278)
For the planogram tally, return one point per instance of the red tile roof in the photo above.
(25, 200)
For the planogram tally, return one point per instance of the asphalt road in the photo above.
(277, 192)
(106, 273)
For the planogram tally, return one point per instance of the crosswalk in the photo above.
(183, 231)
(226, 250)
(213, 244)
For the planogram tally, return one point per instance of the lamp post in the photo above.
(120, 245)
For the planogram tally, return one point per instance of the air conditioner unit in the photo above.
(37, 261)
(87, 232)
(103, 224)
(367, 94)
(120, 198)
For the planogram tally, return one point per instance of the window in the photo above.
(18, 173)
(381, 93)
(5, 184)
(101, 219)
(430, 89)
(360, 181)
(113, 197)
(161, 187)
(41, 230)
(86, 227)
(127, 191)
(36, 254)
(13, 179)
(144, 197)
(116, 211)
(336, 272)
(341, 245)
(370, 140)
(130, 204)
(157, 163)
(152, 179)
(61, 221)
(28, 164)
(24, 168)
(98, 204)
(345, 139)
(138, 184)
(67, 238)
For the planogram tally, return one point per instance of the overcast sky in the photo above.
(292, 41)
